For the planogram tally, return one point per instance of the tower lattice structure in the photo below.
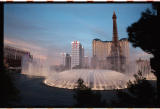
(116, 60)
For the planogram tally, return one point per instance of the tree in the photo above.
(139, 93)
(85, 97)
(145, 34)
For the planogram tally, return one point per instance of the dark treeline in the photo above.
(139, 93)
(9, 95)
(145, 34)
(85, 97)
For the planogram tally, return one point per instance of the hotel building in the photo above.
(110, 54)
(77, 54)
(13, 56)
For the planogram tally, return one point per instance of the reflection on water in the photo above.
(34, 93)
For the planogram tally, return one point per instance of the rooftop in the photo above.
(122, 39)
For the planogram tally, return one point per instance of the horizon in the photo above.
(49, 29)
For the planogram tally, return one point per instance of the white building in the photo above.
(63, 56)
(76, 55)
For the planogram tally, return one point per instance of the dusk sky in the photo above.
(50, 28)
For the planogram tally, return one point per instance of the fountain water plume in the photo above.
(34, 66)
(96, 79)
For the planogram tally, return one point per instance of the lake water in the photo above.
(34, 93)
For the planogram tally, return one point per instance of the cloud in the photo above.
(22, 44)
(15, 22)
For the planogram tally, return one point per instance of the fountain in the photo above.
(96, 79)
(34, 66)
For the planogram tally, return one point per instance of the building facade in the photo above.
(13, 56)
(143, 66)
(68, 61)
(76, 54)
(85, 62)
(63, 57)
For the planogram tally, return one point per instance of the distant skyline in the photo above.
(49, 29)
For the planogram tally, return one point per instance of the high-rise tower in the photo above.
(76, 58)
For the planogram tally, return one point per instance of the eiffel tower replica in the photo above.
(116, 59)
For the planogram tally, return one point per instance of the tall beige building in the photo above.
(103, 51)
